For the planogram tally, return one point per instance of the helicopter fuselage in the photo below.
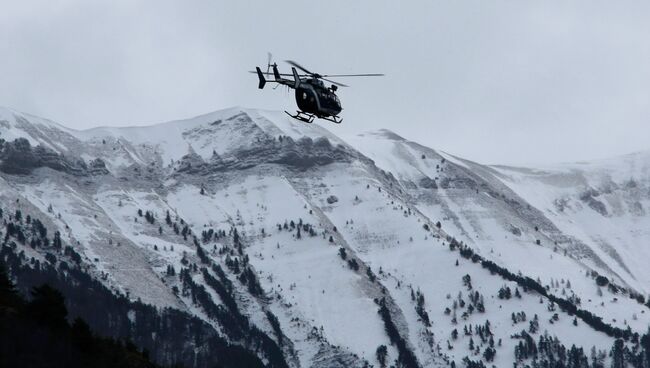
(313, 97)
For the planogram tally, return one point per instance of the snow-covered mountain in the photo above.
(330, 251)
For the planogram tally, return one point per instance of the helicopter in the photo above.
(314, 99)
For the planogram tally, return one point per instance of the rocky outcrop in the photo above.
(428, 183)
(589, 197)
(20, 158)
(302, 154)
(191, 163)
(97, 167)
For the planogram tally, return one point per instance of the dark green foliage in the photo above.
(171, 337)
(472, 364)
(201, 254)
(420, 309)
(489, 354)
(37, 225)
(505, 292)
(223, 292)
(148, 216)
(56, 242)
(467, 281)
(173, 329)
(168, 219)
(233, 322)
(529, 284)
(352, 263)
(50, 258)
(381, 354)
(72, 254)
(370, 274)
(8, 293)
(618, 354)
(37, 334)
(171, 271)
(248, 278)
(275, 324)
(406, 356)
(47, 307)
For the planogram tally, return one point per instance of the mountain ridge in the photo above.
(332, 236)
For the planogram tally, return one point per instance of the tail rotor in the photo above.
(268, 62)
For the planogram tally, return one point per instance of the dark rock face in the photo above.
(515, 230)
(597, 206)
(588, 197)
(191, 163)
(17, 157)
(332, 199)
(20, 158)
(305, 153)
(302, 154)
(458, 182)
(428, 183)
(98, 167)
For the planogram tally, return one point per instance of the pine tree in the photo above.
(57, 240)
(381, 354)
(8, 293)
(168, 219)
(618, 354)
(47, 307)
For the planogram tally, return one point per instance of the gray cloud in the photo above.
(497, 82)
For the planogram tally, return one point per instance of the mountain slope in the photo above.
(290, 241)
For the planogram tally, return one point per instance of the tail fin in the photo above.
(296, 78)
(261, 77)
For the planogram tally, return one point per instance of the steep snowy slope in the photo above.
(324, 252)
(513, 216)
(603, 204)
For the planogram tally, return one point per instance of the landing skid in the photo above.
(302, 116)
(333, 119)
(309, 118)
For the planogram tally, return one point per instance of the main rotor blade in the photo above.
(337, 83)
(353, 75)
(282, 74)
(299, 66)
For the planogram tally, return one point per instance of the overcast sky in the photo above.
(511, 82)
